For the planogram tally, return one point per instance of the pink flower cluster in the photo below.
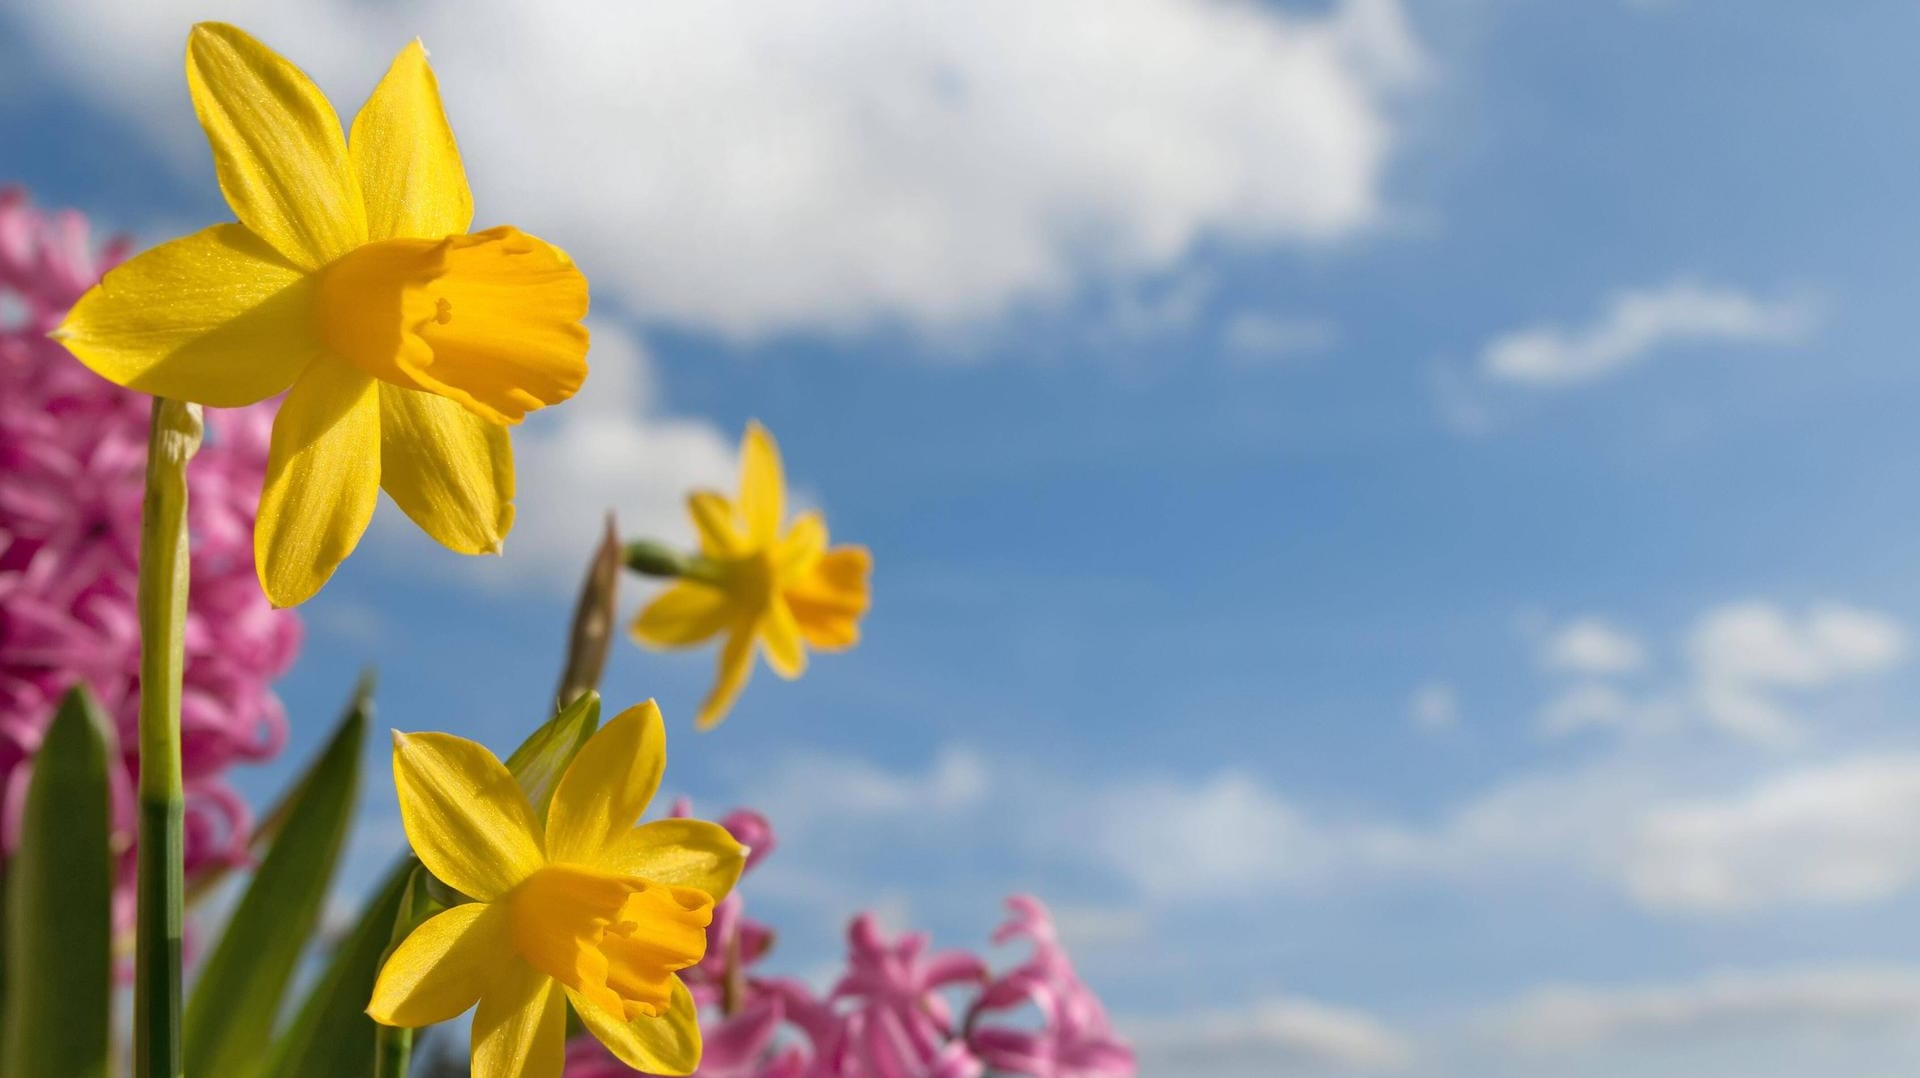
(72, 465)
(890, 1015)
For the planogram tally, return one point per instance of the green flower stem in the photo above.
(648, 558)
(392, 1045)
(163, 616)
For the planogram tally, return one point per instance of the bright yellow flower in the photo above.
(350, 277)
(588, 909)
(753, 584)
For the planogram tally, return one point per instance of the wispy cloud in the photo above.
(1742, 666)
(1434, 707)
(1593, 646)
(1560, 1019)
(1638, 325)
(1277, 1036)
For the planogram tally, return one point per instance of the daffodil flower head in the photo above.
(405, 345)
(755, 584)
(586, 908)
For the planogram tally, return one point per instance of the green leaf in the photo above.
(332, 1037)
(59, 931)
(229, 1021)
(543, 757)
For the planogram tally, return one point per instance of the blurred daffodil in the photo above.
(403, 343)
(587, 909)
(753, 584)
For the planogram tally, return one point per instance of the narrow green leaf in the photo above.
(543, 757)
(331, 1036)
(230, 1019)
(59, 931)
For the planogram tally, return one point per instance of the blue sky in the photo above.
(1387, 515)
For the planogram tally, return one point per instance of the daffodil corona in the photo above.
(753, 584)
(587, 909)
(405, 345)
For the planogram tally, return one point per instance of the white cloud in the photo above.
(1434, 707)
(1592, 706)
(1255, 337)
(1637, 325)
(1839, 833)
(1227, 834)
(1744, 665)
(1593, 646)
(1733, 1005)
(750, 168)
(811, 788)
(611, 447)
(1757, 643)
(1744, 654)
(1283, 1036)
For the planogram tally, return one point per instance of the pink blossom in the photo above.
(901, 1024)
(72, 460)
(1074, 1040)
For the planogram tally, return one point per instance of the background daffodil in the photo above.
(751, 583)
(587, 908)
(403, 343)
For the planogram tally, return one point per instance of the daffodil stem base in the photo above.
(163, 615)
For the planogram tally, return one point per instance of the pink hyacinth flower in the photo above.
(1075, 1039)
(72, 464)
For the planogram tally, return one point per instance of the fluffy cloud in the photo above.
(1285, 1036)
(750, 169)
(1838, 833)
(1636, 326)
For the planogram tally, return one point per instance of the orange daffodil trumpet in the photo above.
(753, 584)
(405, 345)
(587, 909)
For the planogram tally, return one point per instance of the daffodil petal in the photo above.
(780, 640)
(713, 518)
(687, 612)
(448, 469)
(323, 480)
(736, 665)
(829, 600)
(218, 318)
(464, 814)
(763, 486)
(667, 1045)
(682, 852)
(277, 146)
(520, 1030)
(608, 785)
(804, 544)
(499, 329)
(443, 966)
(405, 157)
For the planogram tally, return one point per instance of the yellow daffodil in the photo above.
(587, 909)
(403, 343)
(751, 583)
